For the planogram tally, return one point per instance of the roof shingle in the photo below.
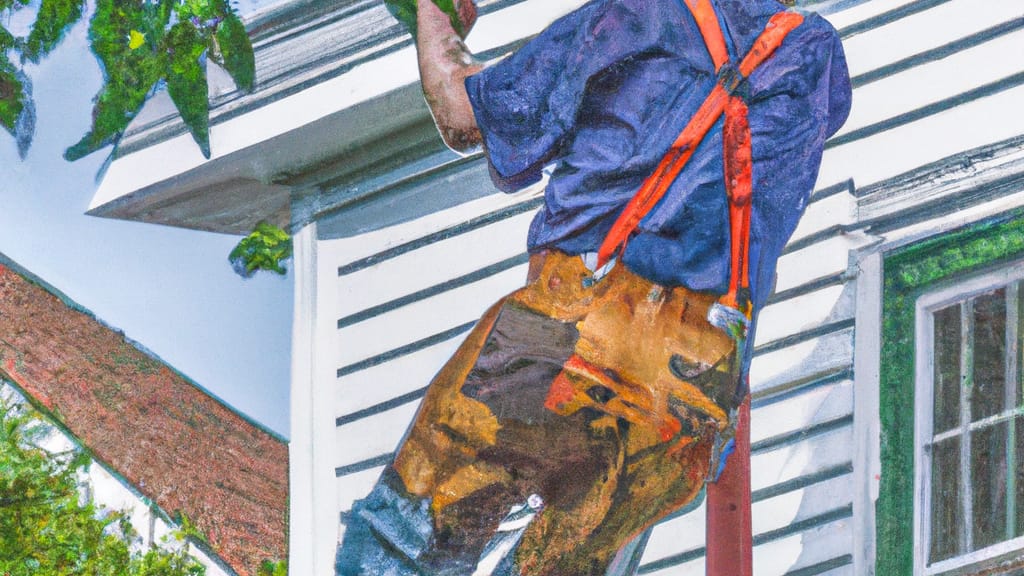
(176, 444)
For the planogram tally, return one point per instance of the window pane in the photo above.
(989, 395)
(988, 477)
(947, 368)
(946, 511)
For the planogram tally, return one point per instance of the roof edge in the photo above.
(67, 301)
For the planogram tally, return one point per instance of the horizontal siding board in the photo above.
(432, 264)
(691, 567)
(810, 311)
(370, 437)
(923, 31)
(417, 321)
(970, 95)
(811, 456)
(677, 535)
(373, 247)
(939, 52)
(378, 384)
(844, 567)
(823, 213)
(775, 514)
(935, 81)
(977, 123)
(806, 548)
(434, 290)
(818, 545)
(820, 260)
(894, 15)
(676, 540)
(777, 370)
(801, 411)
(867, 11)
(355, 486)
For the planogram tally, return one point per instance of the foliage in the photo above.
(141, 45)
(268, 568)
(266, 248)
(405, 12)
(46, 528)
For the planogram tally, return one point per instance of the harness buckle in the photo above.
(732, 80)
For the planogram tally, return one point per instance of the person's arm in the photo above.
(444, 63)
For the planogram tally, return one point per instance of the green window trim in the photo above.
(908, 273)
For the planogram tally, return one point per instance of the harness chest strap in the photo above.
(737, 154)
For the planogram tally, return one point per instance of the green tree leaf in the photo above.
(186, 80)
(270, 568)
(129, 74)
(234, 52)
(17, 109)
(12, 95)
(45, 528)
(266, 248)
(52, 21)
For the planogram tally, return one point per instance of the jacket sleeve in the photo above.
(526, 105)
(798, 99)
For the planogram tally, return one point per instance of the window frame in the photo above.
(926, 305)
(909, 271)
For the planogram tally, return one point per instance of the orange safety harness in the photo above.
(737, 157)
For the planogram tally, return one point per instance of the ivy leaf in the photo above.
(405, 12)
(234, 51)
(449, 8)
(17, 109)
(52, 21)
(266, 248)
(186, 80)
(129, 74)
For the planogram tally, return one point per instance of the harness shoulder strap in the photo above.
(737, 155)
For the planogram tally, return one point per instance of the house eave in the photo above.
(336, 88)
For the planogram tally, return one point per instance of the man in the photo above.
(596, 400)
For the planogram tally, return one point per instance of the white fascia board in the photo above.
(169, 182)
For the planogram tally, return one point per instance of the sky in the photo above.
(170, 290)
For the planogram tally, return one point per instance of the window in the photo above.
(969, 422)
(950, 494)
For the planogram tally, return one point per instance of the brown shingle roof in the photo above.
(176, 444)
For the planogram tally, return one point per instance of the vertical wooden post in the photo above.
(729, 539)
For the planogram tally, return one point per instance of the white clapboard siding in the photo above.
(413, 322)
(815, 310)
(419, 270)
(910, 36)
(374, 386)
(936, 81)
(983, 121)
(835, 209)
